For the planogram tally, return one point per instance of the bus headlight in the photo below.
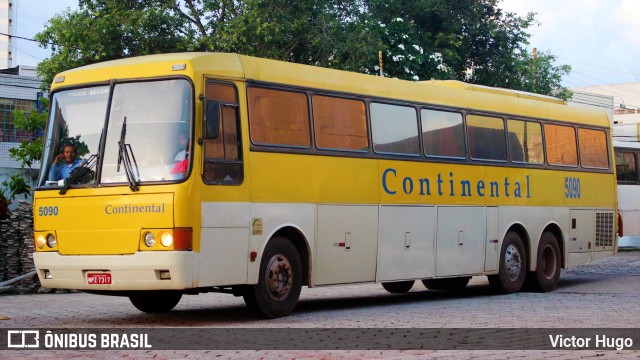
(149, 239)
(51, 240)
(40, 241)
(166, 239)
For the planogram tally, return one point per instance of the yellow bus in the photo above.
(179, 174)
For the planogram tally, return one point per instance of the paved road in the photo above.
(604, 294)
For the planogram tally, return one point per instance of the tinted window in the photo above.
(395, 129)
(340, 123)
(442, 133)
(278, 117)
(561, 145)
(593, 148)
(626, 166)
(486, 138)
(223, 155)
(525, 141)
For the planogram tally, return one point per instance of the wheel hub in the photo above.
(513, 262)
(279, 277)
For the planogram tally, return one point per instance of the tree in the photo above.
(324, 33)
(103, 30)
(472, 40)
(27, 153)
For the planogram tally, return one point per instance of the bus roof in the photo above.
(233, 66)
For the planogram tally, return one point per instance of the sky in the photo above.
(598, 38)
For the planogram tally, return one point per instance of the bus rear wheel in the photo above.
(398, 287)
(547, 274)
(155, 301)
(279, 282)
(447, 284)
(512, 267)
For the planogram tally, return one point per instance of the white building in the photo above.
(7, 31)
(625, 107)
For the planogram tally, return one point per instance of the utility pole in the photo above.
(534, 56)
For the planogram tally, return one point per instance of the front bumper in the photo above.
(138, 271)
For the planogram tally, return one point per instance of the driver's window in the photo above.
(223, 155)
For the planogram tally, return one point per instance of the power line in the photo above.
(28, 39)
(22, 51)
(598, 66)
(36, 41)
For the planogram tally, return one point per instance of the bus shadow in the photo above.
(241, 315)
(386, 299)
(199, 315)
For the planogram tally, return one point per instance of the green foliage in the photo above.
(16, 186)
(470, 40)
(28, 152)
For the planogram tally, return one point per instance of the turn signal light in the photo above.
(182, 238)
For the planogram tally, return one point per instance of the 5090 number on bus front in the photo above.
(48, 211)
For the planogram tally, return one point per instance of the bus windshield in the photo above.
(135, 132)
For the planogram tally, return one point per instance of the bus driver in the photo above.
(64, 163)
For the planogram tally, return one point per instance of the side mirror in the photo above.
(212, 122)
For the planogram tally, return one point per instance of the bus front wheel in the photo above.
(279, 282)
(155, 301)
(512, 267)
(547, 274)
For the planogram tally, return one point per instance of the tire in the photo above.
(512, 267)
(398, 287)
(447, 284)
(153, 302)
(279, 281)
(547, 274)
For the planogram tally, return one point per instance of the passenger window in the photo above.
(443, 133)
(593, 148)
(626, 166)
(395, 129)
(223, 155)
(486, 138)
(340, 124)
(525, 141)
(278, 117)
(561, 145)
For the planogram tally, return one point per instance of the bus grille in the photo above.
(604, 229)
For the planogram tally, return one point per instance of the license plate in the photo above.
(99, 279)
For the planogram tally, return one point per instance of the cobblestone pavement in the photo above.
(603, 294)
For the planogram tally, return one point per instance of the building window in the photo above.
(8, 131)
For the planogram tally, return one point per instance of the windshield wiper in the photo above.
(80, 173)
(125, 156)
